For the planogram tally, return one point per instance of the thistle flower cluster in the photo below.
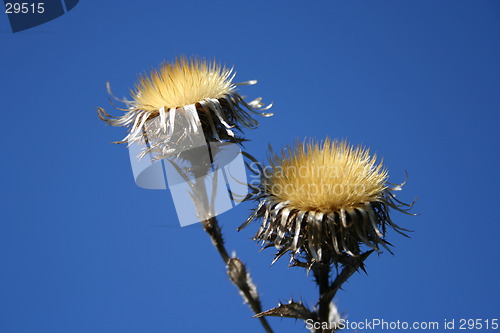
(323, 202)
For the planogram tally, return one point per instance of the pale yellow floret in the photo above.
(180, 83)
(327, 177)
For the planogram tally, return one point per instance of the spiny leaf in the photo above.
(290, 310)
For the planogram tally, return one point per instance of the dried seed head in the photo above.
(322, 201)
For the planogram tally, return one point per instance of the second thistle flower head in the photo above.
(323, 200)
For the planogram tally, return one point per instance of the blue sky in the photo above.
(82, 249)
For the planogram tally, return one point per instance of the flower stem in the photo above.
(348, 270)
(246, 287)
(321, 272)
(236, 270)
(328, 290)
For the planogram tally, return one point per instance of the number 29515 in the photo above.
(24, 8)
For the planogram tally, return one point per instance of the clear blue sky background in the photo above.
(82, 249)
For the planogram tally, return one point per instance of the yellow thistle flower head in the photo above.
(200, 93)
(183, 82)
(326, 177)
(323, 200)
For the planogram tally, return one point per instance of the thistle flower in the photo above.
(185, 112)
(323, 200)
(200, 92)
